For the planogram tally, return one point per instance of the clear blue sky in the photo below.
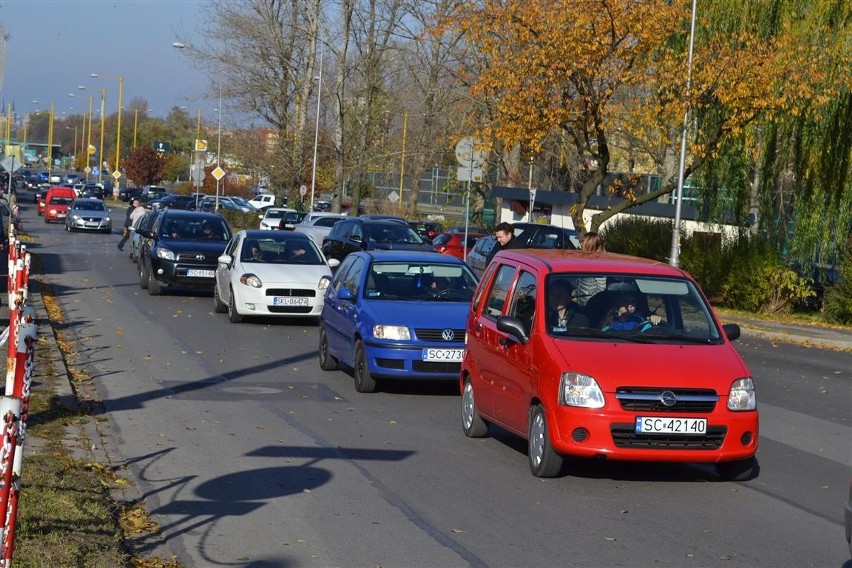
(53, 46)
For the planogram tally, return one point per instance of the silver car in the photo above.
(88, 214)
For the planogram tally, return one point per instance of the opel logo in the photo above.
(668, 398)
(199, 257)
(448, 335)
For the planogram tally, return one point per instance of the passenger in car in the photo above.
(561, 311)
(625, 317)
(251, 251)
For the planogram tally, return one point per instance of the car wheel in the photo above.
(143, 275)
(45, 220)
(472, 423)
(68, 228)
(327, 361)
(233, 314)
(154, 288)
(544, 461)
(364, 382)
(740, 470)
(218, 305)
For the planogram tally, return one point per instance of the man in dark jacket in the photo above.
(505, 235)
(134, 203)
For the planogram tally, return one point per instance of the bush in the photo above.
(239, 220)
(639, 236)
(837, 305)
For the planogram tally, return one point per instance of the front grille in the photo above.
(637, 399)
(424, 334)
(198, 258)
(291, 292)
(290, 309)
(625, 436)
(432, 367)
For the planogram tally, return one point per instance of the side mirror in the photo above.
(732, 330)
(514, 327)
(356, 238)
(224, 259)
(147, 234)
(333, 263)
(345, 294)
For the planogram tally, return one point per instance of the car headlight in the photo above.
(323, 284)
(742, 395)
(75, 217)
(165, 254)
(576, 389)
(251, 280)
(391, 332)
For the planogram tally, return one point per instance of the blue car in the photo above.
(396, 315)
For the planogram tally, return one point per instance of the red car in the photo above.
(609, 357)
(40, 199)
(57, 202)
(451, 243)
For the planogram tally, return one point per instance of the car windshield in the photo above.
(280, 248)
(392, 233)
(195, 229)
(58, 200)
(436, 282)
(632, 308)
(90, 206)
(274, 214)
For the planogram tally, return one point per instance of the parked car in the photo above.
(396, 315)
(86, 214)
(382, 217)
(427, 230)
(271, 218)
(173, 202)
(477, 258)
(318, 225)
(56, 203)
(270, 273)
(262, 200)
(181, 250)
(537, 235)
(351, 235)
(451, 243)
(671, 388)
(129, 193)
(153, 192)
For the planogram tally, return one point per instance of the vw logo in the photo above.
(199, 257)
(448, 335)
(668, 398)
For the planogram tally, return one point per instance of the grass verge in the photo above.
(67, 514)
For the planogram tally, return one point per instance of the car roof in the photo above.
(410, 256)
(560, 260)
(191, 214)
(288, 235)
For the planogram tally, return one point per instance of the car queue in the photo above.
(639, 370)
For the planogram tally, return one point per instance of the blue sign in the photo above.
(96, 171)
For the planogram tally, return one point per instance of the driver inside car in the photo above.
(623, 316)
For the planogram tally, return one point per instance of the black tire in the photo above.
(233, 314)
(364, 382)
(218, 305)
(45, 220)
(154, 288)
(740, 470)
(327, 361)
(143, 275)
(544, 461)
(472, 423)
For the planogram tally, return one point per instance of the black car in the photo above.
(173, 202)
(181, 250)
(93, 191)
(537, 235)
(427, 230)
(143, 223)
(128, 193)
(350, 235)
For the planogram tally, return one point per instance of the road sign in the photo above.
(162, 146)
(91, 149)
(116, 174)
(393, 197)
(218, 173)
(10, 164)
(196, 172)
(200, 145)
(96, 171)
(303, 190)
(469, 152)
(88, 170)
(466, 173)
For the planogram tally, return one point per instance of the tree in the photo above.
(591, 73)
(144, 166)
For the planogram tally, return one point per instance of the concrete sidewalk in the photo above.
(801, 334)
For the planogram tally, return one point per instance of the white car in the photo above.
(318, 225)
(271, 219)
(271, 273)
(263, 200)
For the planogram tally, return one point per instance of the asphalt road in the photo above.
(247, 454)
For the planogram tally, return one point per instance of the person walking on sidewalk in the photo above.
(134, 211)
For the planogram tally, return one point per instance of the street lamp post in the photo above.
(316, 131)
(118, 125)
(101, 151)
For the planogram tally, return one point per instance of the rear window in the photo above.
(441, 240)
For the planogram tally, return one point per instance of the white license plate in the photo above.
(667, 425)
(288, 301)
(198, 273)
(60, 215)
(435, 354)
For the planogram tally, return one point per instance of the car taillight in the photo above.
(440, 249)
